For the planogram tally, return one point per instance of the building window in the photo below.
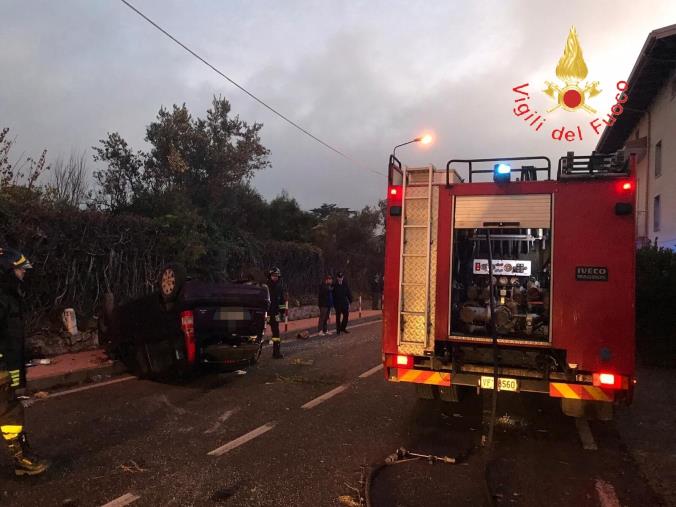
(656, 214)
(658, 159)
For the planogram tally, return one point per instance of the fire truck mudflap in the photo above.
(562, 284)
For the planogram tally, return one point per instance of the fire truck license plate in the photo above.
(504, 384)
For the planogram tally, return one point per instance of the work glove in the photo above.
(16, 377)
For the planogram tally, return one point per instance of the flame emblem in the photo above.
(572, 69)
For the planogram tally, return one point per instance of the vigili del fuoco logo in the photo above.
(571, 93)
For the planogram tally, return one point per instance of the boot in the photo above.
(276, 350)
(25, 462)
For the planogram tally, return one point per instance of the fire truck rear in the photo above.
(522, 281)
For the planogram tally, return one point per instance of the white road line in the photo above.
(585, 433)
(371, 371)
(606, 494)
(365, 324)
(242, 440)
(221, 419)
(123, 500)
(324, 397)
(87, 388)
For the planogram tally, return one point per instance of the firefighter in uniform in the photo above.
(13, 268)
(277, 308)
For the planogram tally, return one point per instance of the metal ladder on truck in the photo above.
(414, 270)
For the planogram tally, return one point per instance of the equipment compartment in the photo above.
(520, 288)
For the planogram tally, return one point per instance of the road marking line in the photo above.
(242, 440)
(320, 399)
(371, 371)
(221, 419)
(606, 494)
(87, 388)
(585, 433)
(365, 324)
(123, 500)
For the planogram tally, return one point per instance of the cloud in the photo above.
(363, 76)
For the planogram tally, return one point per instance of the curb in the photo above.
(75, 377)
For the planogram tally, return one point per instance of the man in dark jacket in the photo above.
(325, 304)
(13, 268)
(278, 307)
(376, 291)
(342, 297)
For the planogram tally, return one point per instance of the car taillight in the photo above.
(609, 380)
(405, 361)
(188, 328)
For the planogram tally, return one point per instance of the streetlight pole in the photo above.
(426, 139)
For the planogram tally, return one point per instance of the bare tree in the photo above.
(25, 171)
(70, 180)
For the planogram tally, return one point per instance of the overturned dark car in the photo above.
(186, 325)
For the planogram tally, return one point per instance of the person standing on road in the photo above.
(13, 266)
(342, 297)
(325, 304)
(278, 307)
(376, 291)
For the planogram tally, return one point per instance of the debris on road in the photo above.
(240, 372)
(348, 501)
(41, 395)
(303, 335)
(132, 468)
(303, 362)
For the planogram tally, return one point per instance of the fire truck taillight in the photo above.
(393, 191)
(609, 380)
(626, 186)
(405, 361)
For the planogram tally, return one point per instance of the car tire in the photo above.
(141, 364)
(171, 280)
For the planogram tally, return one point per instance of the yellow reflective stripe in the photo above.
(21, 260)
(276, 339)
(566, 391)
(10, 431)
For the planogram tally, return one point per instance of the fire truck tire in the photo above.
(450, 393)
(594, 410)
(426, 392)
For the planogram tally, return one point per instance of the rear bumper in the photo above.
(578, 390)
(226, 354)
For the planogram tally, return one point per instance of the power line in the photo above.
(260, 101)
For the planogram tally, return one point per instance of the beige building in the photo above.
(647, 127)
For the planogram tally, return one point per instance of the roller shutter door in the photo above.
(530, 211)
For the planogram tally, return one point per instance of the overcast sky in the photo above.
(362, 76)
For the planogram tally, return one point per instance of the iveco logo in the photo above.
(592, 273)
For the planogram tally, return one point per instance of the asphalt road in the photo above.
(301, 432)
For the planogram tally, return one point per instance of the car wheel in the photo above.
(171, 280)
(141, 365)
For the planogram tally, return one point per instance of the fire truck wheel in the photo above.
(450, 393)
(594, 410)
(426, 392)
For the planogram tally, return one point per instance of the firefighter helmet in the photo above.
(275, 271)
(11, 259)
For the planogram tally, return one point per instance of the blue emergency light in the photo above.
(502, 173)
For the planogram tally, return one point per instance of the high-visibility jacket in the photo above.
(11, 327)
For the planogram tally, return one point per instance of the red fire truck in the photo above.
(513, 278)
